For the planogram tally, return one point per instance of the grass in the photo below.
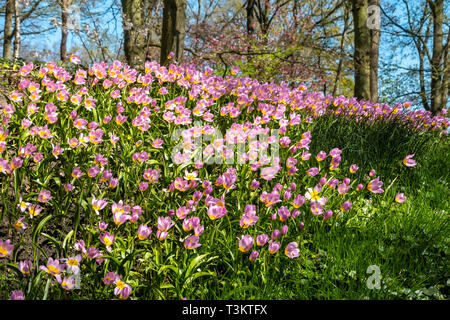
(409, 242)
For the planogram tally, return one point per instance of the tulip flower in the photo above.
(192, 242)
(409, 162)
(274, 246)
(375, 186)
(400, 198)
(5, 248)
(144, 232)
(291, 250)
(245, 243)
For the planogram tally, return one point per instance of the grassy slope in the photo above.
(409, 242)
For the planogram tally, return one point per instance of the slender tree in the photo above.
(173, 30)
(8, 32)
(17, 10)
(250, 8)
(438, 74)
(422, 23)
(133, 29)
(362, 50)
(374, 5)
(64, 4)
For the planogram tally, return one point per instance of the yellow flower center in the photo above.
(72, 262)
(120, 284)
(315, 195)
(141, 237)
(108, 241)
(3, 252)
(53, 269)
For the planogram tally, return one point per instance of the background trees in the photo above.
(419, 35)
(333, 46)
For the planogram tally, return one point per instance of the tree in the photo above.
(438, 64)
(173, 30)
(291, 41)
(133, 30)
(362, 50)
(64, 4)
(423, 25)
(25, 13)
(374, 5)
(250, 16)
(8, 32)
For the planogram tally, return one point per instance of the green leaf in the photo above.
(129, 257)
(198, 275)
(57, 181)
(152, 161)
(39, 227)
(194, 263)
(66, 239)
(170, 267)
(33, 283)
(47, 287)
(116, 262)
(52, 239)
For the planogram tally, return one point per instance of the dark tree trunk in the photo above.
(362, 50)
(250, 17)
(173, 29)
(65, 4)
(437, 71)
(8, 32)
(134, 37)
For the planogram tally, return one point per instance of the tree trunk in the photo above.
(423, 92)
(250, 27)
(8, 32)
(134, 37)
(374, 50)
(341, 49)
(446, 75)
(65, 4)
(16, 29)
(362, 50)
(173, 29)
(250, 17)
(437, 72)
